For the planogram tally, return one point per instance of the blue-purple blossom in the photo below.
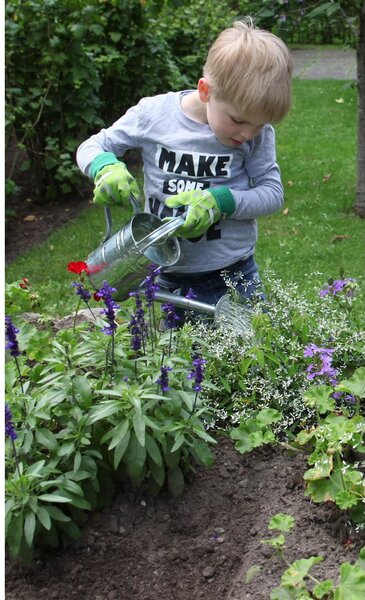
(9, 425)
(105, 294)
(136, 333)
(346, 285)
(12, 342)
(197, 373)
(150, 283)
(84, 294)
(163, 380)
(190, 294)
(137, 325)
(322, 365)
(170, 316)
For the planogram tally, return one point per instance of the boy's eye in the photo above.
(237, 121)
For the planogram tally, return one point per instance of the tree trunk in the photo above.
(359, 206)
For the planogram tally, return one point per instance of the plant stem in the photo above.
(19, 373)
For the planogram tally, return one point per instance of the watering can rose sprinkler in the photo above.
(124, 259)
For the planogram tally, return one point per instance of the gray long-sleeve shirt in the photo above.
(181, 154)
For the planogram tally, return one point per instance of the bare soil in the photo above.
(198, 546)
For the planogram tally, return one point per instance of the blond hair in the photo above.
(251, 68)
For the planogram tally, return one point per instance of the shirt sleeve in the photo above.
(265, 195)
(118, 138)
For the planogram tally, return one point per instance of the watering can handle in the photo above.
(108, 217)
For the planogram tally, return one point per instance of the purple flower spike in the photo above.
(190, 294)
(171, 318)
(137, 325)
(197, 373)
(322, 364)
(346, 285)
(12, 343)
(163, 380)
(151, 286)
(105, 294)
(9, 425)
(81, 291)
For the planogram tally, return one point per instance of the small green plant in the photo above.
(297, 583)
(337, 438)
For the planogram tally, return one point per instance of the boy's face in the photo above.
(228, 125)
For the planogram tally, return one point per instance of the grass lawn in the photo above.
(316, 232)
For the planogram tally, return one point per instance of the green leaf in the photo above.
(179, 441)
(44, 518)
(297, 571)
(36, 467)
(203, 453)
(276, 542)
(82, 387)
(15, 534)
(46, 438)
(282, 522)
(355, 385)
(157, 472)
(153, 450)
(135, 458)
(319, 397)
(323, 589)
(139, 427)
(175, 482)
(102, 411)
(120, 449)
(53, 498)
(29, 528)
(57, 514)
(252, 573)
(118, 434)
(280, 594)
(267, 416)
(344, 499)
(322, 468)
(352, 583)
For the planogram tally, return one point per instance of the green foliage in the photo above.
(297, 581)
(321, 23)
(332, 476)
(90, 62)
(87, 412)
(268, 371)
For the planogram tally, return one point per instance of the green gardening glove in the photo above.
(203, 208)
(113, 182)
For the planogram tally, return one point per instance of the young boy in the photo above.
(208, 154)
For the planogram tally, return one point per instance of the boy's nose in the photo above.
(249, 131)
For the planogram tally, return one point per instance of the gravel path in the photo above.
(324, 64)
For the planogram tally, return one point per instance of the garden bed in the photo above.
(198, 546)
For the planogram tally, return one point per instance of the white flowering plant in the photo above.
(268, 369)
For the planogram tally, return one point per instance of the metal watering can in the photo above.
(123, 259)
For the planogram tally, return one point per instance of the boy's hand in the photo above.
(114, 184)
(203, 208)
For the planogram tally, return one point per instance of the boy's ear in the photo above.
(203, 89)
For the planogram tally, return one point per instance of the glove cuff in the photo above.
(224, 199)
(100, 161)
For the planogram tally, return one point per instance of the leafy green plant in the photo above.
(338, 436)
(90, 405)
(268, 369)
(297, 583)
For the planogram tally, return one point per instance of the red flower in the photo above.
(77, 267)
(25, 283)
